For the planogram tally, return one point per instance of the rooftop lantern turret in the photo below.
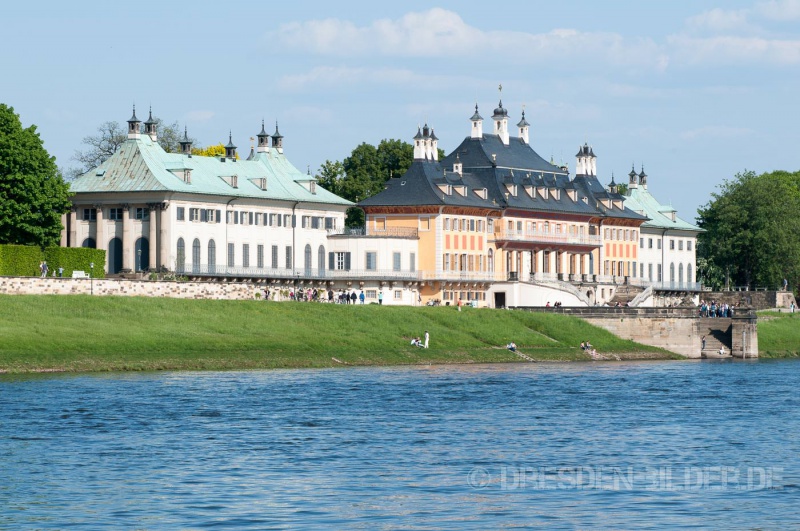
(585, 161)
(612, 186)
(186, 144)
(230, 149)
(434, 146)
(643, 178)
(277, 139)
(500, 118)
(134, 125)
(457, 166)
(477, 124)
(524, 126)
(419, 147)
(633, 181)
(150, 127)
(263, 140)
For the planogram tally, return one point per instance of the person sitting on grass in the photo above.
(512, 347)
(583, 345)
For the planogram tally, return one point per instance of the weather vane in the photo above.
(500, 89)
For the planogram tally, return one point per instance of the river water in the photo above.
(581, 445)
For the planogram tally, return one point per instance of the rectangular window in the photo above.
(659, 244)
(115, 214)
(396, 261)
(181, 213)
(288, 220)
(339, 261)
(246, 255)
(250, 216)
(650, 271)
(490, 225)
(371, 294)
(680, 245)
(330, 223)
(446, 223)
(306, 221)
(641, 270)
(274, 257)
(288, 257)
(228, 217)
(649, 243)
(89, 214)
(398, 294)
(412, 262)
(204, 215)
(672, 245)
(260, 257)
(142, 214)
(316, 222)
(231, 251)
(659, 271)
(236, 217)
(688, 245)
(446, 263)
(641, 243)
(472, 225)
(371, 261)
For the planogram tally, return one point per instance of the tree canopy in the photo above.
(365, 172)
(752, 233)
(33, 194)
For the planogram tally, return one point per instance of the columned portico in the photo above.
(127, 239)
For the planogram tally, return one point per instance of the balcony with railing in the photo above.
(546, 237)
(371, 232)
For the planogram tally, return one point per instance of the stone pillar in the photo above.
(153, 238)
(64, 231)
(100, 233)
(73, 227)
(565, 264)
(127, 239)
(539, 261)
(164, 239)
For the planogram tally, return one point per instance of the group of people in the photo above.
(713, 309)
(320, 295)
(417, 342)
(589, 349)
(556, 304)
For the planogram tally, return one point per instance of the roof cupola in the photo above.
(500, 118)
(523, 128)
(477, 124)
(134, 126)
(186, 144)
(612, 186)
(434, 146)
(277, 139)
(150, 127)
(419, 146)
(633, 181)
(643, 178)
(230, 149)
(263, 140)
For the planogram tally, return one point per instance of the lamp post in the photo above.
(91, 278)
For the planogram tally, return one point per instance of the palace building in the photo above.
(491, 224)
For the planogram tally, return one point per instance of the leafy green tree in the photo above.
(752, 228)
(33, 194)
(329, 175)
(215, 150)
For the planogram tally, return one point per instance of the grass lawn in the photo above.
(85, 333)
(778, 335)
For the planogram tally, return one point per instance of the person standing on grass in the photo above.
(427, 337)
(361, 297)
(380, 297)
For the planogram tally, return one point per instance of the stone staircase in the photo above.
(624, 294)
(718, 334)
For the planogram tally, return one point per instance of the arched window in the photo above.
(212, 256)
(321, 259)
(196, 256)
(307, 259)
(180, 261)
(689, 273)
(89, 243)
(672, 272)
(680, 273)
(490, 261)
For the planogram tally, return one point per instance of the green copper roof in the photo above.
(142, 165)
(641, 201)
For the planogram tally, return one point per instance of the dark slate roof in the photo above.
(517, 167)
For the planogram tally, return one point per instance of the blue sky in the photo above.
(694, 90)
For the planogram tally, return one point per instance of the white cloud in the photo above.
(199, 116)
(780, 10)
(343, 76)
(720, 20)
(715, 131)
(734, 50)
(439, 33)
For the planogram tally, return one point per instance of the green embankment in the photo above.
(778, 335)
(84, 333)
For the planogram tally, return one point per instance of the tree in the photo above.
(330, 173)
(111, 135)
(216, 150)
(33, 194)
(752, 230)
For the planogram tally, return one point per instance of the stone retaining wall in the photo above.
(140, 288)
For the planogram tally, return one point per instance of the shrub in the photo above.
(76, 259)
(20, 260)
